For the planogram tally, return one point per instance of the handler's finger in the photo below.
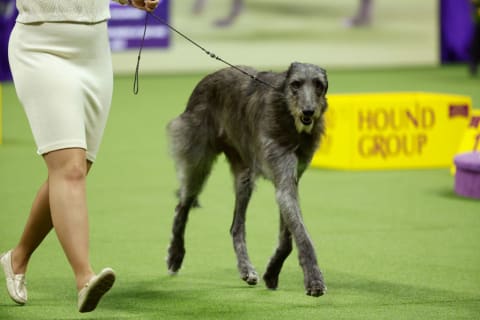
(151, 5)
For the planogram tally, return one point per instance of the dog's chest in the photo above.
(292, 155)
(305, 150)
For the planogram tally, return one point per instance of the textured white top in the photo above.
(88, 11)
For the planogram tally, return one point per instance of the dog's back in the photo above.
(232, 113)
(223, 111)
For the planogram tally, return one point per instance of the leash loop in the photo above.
(136, 80)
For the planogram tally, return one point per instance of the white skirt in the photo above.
(63, 77)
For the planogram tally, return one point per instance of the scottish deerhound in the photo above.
(263, 131)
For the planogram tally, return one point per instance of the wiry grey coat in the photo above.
(263, 130)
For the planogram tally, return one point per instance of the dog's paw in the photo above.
(251, 277)
(172, 272)
(316, 288)
(174, 260)
(271, 281)
(314, 283)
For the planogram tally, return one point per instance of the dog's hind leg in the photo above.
(281, 253)
(244, 182)
(192, 183)
(192, 171)
(176, 250)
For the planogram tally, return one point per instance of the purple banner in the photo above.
(127, 25)
(125, 29)
(456, 30)
(8, 14)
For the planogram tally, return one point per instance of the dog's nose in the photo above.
(308, 113)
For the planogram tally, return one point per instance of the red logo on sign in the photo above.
(474, 122)
(458, 110)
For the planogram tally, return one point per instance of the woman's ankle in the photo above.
(83, 279)
(19, 260)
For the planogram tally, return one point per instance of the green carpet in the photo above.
(391, 244)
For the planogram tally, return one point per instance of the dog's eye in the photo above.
(295, 85)
(319, 85)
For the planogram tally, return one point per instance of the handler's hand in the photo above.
(147, 5)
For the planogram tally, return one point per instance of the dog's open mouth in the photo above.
(306, 120)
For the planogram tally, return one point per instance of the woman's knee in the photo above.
(69, 164)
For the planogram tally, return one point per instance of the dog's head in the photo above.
(305, 89)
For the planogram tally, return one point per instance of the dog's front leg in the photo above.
(243, 192)
(287, 199)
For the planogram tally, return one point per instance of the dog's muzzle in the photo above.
(306, 117)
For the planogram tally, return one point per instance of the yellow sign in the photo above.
(394, 130)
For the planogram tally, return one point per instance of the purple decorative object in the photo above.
(467, 176)
(8, 14)
(456, 30)
(127, 24)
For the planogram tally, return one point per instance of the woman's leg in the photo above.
(198, 6)
(363, 16)
(60, 203)
(38, 225)
(235, 9)
(67, 172)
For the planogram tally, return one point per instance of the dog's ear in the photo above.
(324, 73)
(295, 64)
(292, 67)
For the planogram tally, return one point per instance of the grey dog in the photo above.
(263, 130)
